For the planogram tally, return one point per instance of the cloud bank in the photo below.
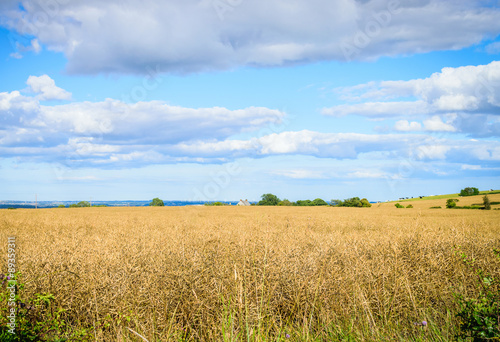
(464, 100)
(113, 134)
(116, 36)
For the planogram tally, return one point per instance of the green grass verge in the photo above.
(426, 198)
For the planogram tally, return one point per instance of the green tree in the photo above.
(365, 203)
(451, 203)
(83, 204)
(61, 206)
(156, 202)
(214, 204)
(285, 202)
(269, 199)
(336, 203)
(353, 202)
(469, 191)
(486, 202)
(304, 203)
(319, 202)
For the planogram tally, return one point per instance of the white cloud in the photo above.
(468, 96)
(154, 121)
(33, 45)
(86, 147)
(471, 167)
(367, 174)
(493, 48)
(111, 134)
(46, 87)
(113, 131)
(16, 108)
(378, 109)
(16, 55)
(467, 89)
(432, 151)
(435, 124)
(406, 126)
(322, 145)
(300, 174)
(188, 36)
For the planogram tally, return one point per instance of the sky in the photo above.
(208, 100)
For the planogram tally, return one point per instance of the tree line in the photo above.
(273, 200)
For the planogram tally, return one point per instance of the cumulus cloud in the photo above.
(406, 126)
(437, 125)
(188, 36)
(153, 122)
(341, 146)
(434, 124)
(113, 134)
(47, 89)
(16, 108)
(113, 131)
(463, 94)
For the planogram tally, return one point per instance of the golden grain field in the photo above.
(254, 273)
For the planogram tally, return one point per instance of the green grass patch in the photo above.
(426, 198)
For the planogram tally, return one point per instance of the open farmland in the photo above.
(253, 273)
(440, 201)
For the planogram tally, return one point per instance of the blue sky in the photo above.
(228, 99)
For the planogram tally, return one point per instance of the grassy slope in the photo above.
(445, 196)
(434, 201)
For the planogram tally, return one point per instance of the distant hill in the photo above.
(426, 198)
(440, 200)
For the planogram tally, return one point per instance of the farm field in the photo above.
(440, 201)
(253, 273)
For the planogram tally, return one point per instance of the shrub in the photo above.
(336, 203)
(451, 203)
(269, 199)
(469, 191)
(479, 317)
(304, 203)
(435, 208)
(353, 202)
(215, 204)
(486, 202)
(156, 202)
(319, 202)
(365, 203)
(409, 206)
(81, 204)
(37, 318)
(61, 206)
(399, 206)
